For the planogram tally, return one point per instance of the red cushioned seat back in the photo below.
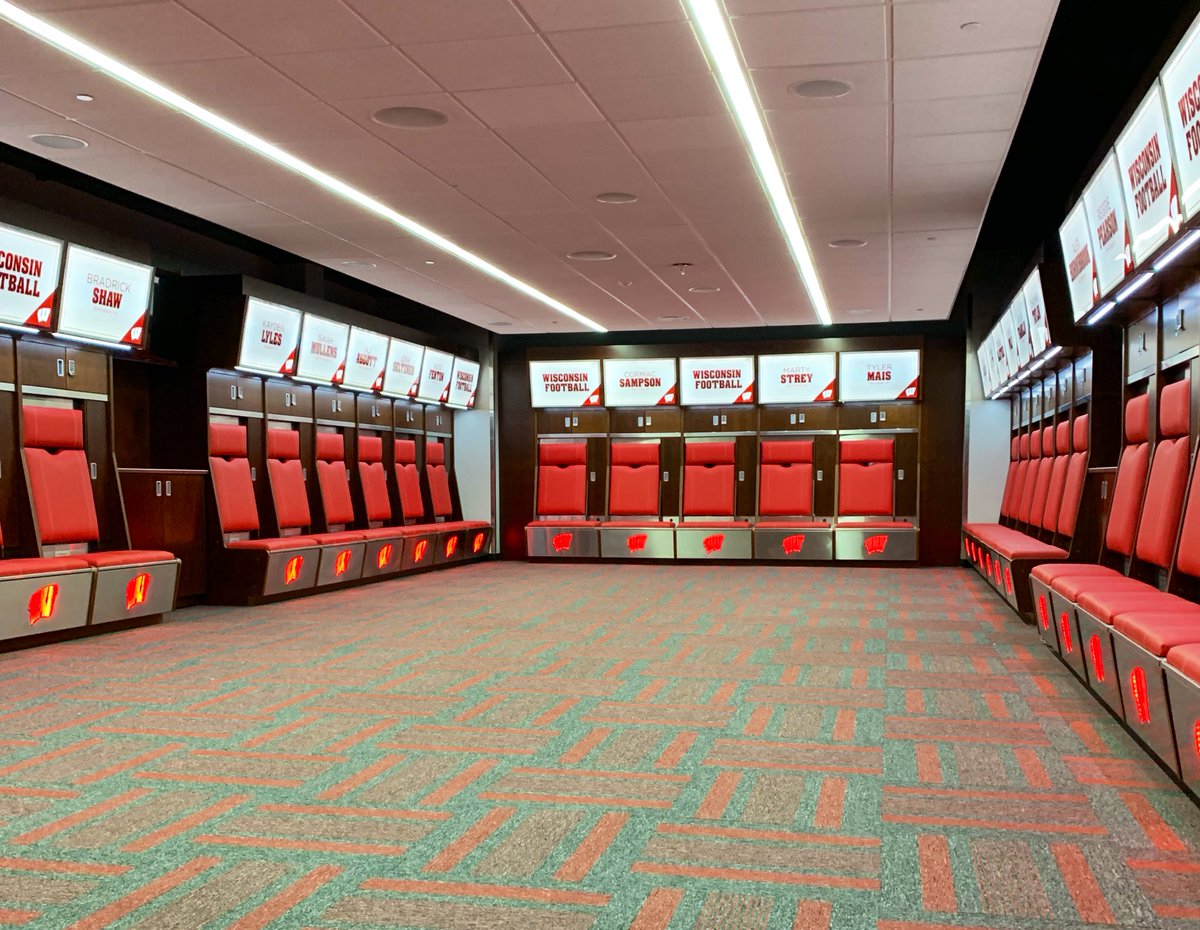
(865, 471)
(1058, 477)
(1032, 470)
(438, 478)
(1010, 480)
(408, 480)
(633, 479)
(233, 486)
(333, 480)
(1076, 476)
(373, 478)
(785, 478)
(1131, 478)
(286, 474)
(59, 481)
(562, 479)
(1041, 486)
(1188, 557)
(708, 479)
(1168, 477)
(1014, 504)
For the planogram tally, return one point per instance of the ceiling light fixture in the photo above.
(1168, 257)
(122, 72)
(1134, 286)
(822, 89)
(355, 263)
(410, 117)
(84, 98)
(591, 255)
(704, 290)
(672, 318)
(714, 29)
(54, 140)
(847, 243)
(617, 197)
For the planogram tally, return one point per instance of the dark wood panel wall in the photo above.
(939, 443)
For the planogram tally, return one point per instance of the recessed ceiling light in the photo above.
(847, 243)
(704, 290)
(920, 309)
(861, 311)
(430, 261)
(931, 238)
(84, 98)
(716, 34)
(970, 26)
(500, 323)
(591, 255)
(672, 319)
(617, 197)
(131, 77)
(410, 117)
(355, 263)
(821, 89)
(53, 140)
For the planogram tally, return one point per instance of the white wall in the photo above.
(473, 456)
(988, 423)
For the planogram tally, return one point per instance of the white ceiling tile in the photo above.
(560, 15)
(952, 148)
(813, 37)
(745, 7)
(918, 177)
(512, 187)
(276, 27)
(233, 82)
(999, 112)
(581, 141)
(305, 121)
(946, 238)
(344, 74)
(648, 50)
(798, 128)
(965, 75)
(853, 291)
(479, 64)
(625, 99)
(546, 105)
(148, 33)
(14, 109)
(682, 134)
(21, 54)
(926, 29)
(413, 21)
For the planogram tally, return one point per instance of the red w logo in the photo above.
(478, 544)
(451, 546)
(637, 542)
(793, 544)
(714, 543)
(384, 557)
(291, 571)
(562, 541)
(136, 590)
(875, 544)
(42, 603)
(421, 548)
(341, 563)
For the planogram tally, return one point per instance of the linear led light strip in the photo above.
(713, 25)
(52, 35)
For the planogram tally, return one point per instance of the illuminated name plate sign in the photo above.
(640, 382)
(573, 383)
(1181, 86)
(270, 337)
(30, 269)
(366, 360)
(1082, 281)
(322, 355)
(435, 377)
(104, 298)
(1148, 177)
(403, 377)
(797, 379)
(464, 382)
(717, 380)
(880, 376)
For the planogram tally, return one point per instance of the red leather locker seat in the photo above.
(562, 479)
(1010, 479)
(333, 479)
(1185, 659)
(288, 491)
(1159, 631)
(785, 478)
(708, 480)
(1032, 469)
(865, 478)
(11, 568)
(792, 524)
(373, 479)
(439, 489)
(633, 488)
(408, 480)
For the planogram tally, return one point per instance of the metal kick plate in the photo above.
(794, 545)
(881, 545)
(566, 542)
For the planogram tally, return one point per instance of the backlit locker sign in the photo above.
(270, 337)
(464, 382)
(1008, 332)
(1112, 250)
(104, 298)
(1148, 177)
(574, 383)
(797, 379)
(366, 360)
(435, 377)
(717, 380)
(1076, 242)
(640, 382)
(1181, 87)
(403, 375)
(1020, 323)
(1035, 306)
(892, 375)
(30, 269)
(322, 354)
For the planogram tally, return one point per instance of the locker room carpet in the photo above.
(520, 747)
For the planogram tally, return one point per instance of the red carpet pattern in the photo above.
(519, 747)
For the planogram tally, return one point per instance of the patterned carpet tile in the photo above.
(517, 747)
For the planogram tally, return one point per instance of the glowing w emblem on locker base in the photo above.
(291, 571)
(42, 603)
(136, 590)
(341, 563)
(384, 557)
(419, 551)
(875, 545)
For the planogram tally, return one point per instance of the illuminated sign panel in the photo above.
(270, 337)
(574, 383)
(797, 379)
(30, 270)
(1108, 225)
(892, 375)
(104, 298)
(435, 377)
(366, 360)
(403, 376)
(322, 354)
(640, 382)
(1148, 177)
(717, 380)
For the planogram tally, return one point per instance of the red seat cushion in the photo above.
(1073, 586)
(11, 568)
(640, 524)
(438, 479)
(126, 557)
(1013, 544)
(865, 477)
(338, 539)
(714, 524)
(1158, 631)
(875, 525)
(275, 544)
(1106, 605)
(1186, 660)
(792, 525)
(566, 524)
(562, 478)
(457, 526)
(633, 487)
(1051, 571)
(785, 483)
(408, 480)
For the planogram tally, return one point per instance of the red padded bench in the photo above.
(384, 547)
(709, 528)
(457, 539)
(786, 527)
(128, 583)
(866, 526)
(562, 528)
(634, 499)
(1182, 670)
(273, 565)
(421, 548)
(43, 595)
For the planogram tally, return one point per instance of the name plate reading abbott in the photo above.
(717, 381)
(797, 379)
(366, 360)
(640, 382)
(880, 376)
(30, 269)
(574, 383)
